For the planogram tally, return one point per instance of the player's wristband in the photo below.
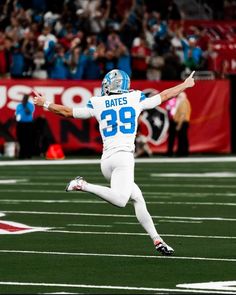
(46, 104)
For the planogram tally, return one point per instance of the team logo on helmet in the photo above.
(115, 81)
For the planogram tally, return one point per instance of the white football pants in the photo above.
(119, 170)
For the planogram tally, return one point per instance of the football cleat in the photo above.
(164, 249)
(76, 184)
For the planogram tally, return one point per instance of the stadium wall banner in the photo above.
(209, 126)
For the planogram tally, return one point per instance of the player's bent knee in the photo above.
(122, 202)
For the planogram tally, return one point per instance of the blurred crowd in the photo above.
(83, 39)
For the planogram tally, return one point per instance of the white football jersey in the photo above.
(117, 116)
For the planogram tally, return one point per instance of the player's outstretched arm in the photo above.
(41, 101)
(174, 91)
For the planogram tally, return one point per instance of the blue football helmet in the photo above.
(115, 81)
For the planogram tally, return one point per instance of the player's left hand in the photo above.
(38, 98)
(189, 82)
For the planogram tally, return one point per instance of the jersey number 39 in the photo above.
(122, 120)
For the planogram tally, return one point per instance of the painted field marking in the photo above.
(139, 234)
(98, 161)
(89, 225)
(32, 252)
(161, 220)
(178, 221)
(117, 215)
(31, 191)
(16, 228)
(187, 194)
(52, 201)
(111, 287)
(204, 174)
(17, 190)
(79, 201)
(219, 286)
(12, 181)
(163, 195)
(191, 203)
(189, 185)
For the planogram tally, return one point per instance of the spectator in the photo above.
(192, 52)
(173, 12)
(8, 50)
(28, 50)
(110, 60)
(3, 61)
(39, 65)
(77, 63)
(155, 66)
(172, 68)
(113, 40)
(176, 45)
(17, 66)
(47, 37)
(59, 64)
(14, 30)
(180, 111)
(43, 136)
(68, 36)
(124, 59)
(98, 18)
(36, 25)
(140, 58)
(24, 127)
(93, 69)
(210, 58)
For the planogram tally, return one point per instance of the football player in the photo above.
(117, 111)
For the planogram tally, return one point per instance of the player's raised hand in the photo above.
(38, 98)
(189, 82)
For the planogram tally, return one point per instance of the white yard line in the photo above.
(79, 201)
(219, 286)
(31, 191)
(149, 194)
(203, 174)
(178, 221)
(106, 184)
(89, 225)
(113, 287)
(139, 234)
(12, 181)
(186, 194)
(97, 161)
(166, 185)
(160, 220)
(116, 215)
(32, 252)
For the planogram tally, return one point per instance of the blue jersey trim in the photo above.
(124, 82)
(89, 104)
(143, 97)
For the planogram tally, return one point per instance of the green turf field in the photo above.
(93, 247)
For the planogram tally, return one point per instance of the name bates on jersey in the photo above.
(115, 102)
